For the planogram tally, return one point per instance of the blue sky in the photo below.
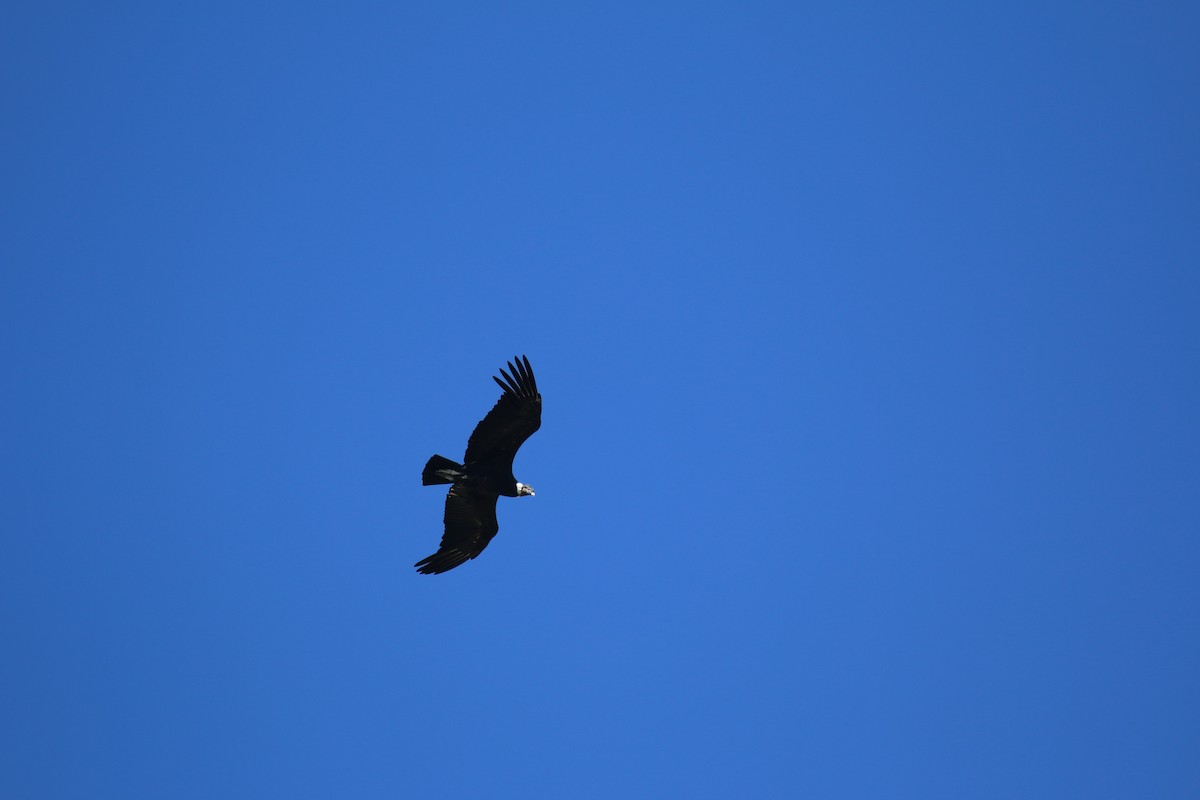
(870, 348)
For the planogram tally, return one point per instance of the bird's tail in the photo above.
(441, 470)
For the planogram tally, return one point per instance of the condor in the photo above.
(486, 471)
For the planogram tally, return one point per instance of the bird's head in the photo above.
(522, 490)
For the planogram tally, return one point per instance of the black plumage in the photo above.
(486, 471)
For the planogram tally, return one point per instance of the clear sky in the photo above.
(869, 337)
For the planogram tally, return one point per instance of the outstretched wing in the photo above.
(470, 525)
(512, 420)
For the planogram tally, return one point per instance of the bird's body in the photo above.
(486, 472)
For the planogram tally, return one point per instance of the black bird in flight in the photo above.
(486, 471)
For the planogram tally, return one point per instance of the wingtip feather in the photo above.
(442, 561)
(529, 373)
(518, 380)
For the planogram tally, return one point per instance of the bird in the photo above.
(486, 472)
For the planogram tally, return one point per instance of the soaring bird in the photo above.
(486, 471)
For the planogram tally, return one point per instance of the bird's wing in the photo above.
(470, 525)
(512, 420)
